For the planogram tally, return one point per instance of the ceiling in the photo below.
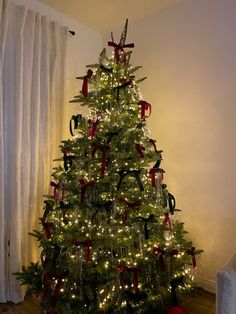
(106, 15)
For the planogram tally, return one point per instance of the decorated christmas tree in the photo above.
(109, 240)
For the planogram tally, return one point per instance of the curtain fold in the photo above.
(31, 82)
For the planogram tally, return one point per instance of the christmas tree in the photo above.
(109, 240)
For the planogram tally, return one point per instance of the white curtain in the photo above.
(32, 59)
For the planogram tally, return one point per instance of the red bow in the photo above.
(122, 268)
(157, 250)
(145, 106)
(167, 221)
(140, 149)
(136, 204)
(47, 227)
(57, 196)
(88, 244)
(192, 253)
(104, 149)
(85, 83)
(93, 128)
(46, 278)
(85, 184)
(152, 173)
(119, 48)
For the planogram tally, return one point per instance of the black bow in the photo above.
(134, 173)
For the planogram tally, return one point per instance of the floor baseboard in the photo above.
(208, 285)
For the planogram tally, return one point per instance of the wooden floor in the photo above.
(201, 303)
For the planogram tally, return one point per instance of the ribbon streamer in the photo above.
(47, 227)
(140, 149)
(74, 119)
(119, 48)
(85, 82)
(167, 221)
(84, 185)
(145, 106)
(192, 253)
(136, 204)
(104, 149)
(134, 173)
(87, 243)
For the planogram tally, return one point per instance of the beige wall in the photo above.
(188, 52)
